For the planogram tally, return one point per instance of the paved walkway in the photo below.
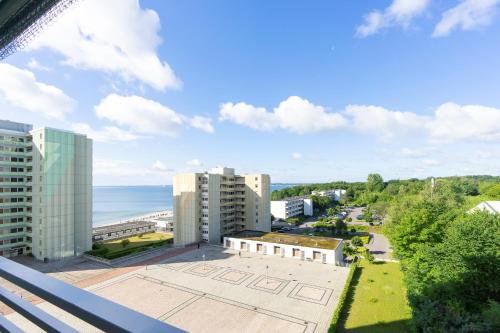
(379, 246)
(106, 275)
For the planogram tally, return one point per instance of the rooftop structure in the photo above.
(327, 243)
(488, 206)
(21, 20)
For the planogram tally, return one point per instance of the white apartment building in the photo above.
(45, 192)
(290, 207)
(209, 206)
(334, 194)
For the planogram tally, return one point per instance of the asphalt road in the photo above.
(379, 246)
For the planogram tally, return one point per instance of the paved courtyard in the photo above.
(226, 292)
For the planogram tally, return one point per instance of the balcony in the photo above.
(99, 312)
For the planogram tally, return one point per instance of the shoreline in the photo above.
(157, 216)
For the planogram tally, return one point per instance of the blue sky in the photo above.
(305, 91)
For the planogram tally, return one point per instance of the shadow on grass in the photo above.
(398, 326)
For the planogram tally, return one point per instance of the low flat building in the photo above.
(321, 249)
(291, 207)
(120, 230)
(334, 194)
(492, 207)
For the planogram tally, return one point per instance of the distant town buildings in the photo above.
(291, 207)
(492, 207)
(45, 192)
(209, 206)
(334, 194)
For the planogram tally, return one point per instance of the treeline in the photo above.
(450, 257)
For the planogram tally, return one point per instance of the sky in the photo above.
(306, 91)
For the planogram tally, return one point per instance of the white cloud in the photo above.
(245, 114)
(301, 116)
(400, 12)
(467, 15)
(161, 167)
(106, 134)
(194, 162)
(34, 64)
(296, 156)
(146, 116)
(294, 114)
(114, 36)
(453, 122)
(384, 123)
(20, 88)
(202, 123)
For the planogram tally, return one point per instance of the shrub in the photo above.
(96, 246)
(125, 242)
(342, 298)
(369, 256)
(353, 230)
(349, 219)
(356, 241)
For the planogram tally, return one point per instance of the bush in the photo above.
(98, 252)
(356, 241)
(369, 256)
(125, 242)
(342, 298)
(353, 230)
(96, 246)
(349, 219)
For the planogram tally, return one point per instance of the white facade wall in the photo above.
(334, 194)
(291, 207)
(333, 257)
(308, 207)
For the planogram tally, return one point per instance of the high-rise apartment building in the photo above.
(209, 206)
(45, 192)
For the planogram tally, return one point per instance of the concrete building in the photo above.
(323, 249)
(208, 206)
(121, 230)
(45, 192)
(492, 207)
(290, 207)
(334, 194)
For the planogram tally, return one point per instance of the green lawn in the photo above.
(376, 301)
(114, 249)
(136, 241)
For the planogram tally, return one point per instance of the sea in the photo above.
(113, 204)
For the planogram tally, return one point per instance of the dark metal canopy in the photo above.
(20, 20)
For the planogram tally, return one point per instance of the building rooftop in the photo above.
(300, 197)
(490, 206)
(290, 239)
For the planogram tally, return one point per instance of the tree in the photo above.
(125, 242)
(457, 277)
(330, 211)
(374, 183)
(493, 191)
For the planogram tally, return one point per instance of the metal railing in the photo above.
(97, 311)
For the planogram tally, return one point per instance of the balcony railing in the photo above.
(97, 311)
